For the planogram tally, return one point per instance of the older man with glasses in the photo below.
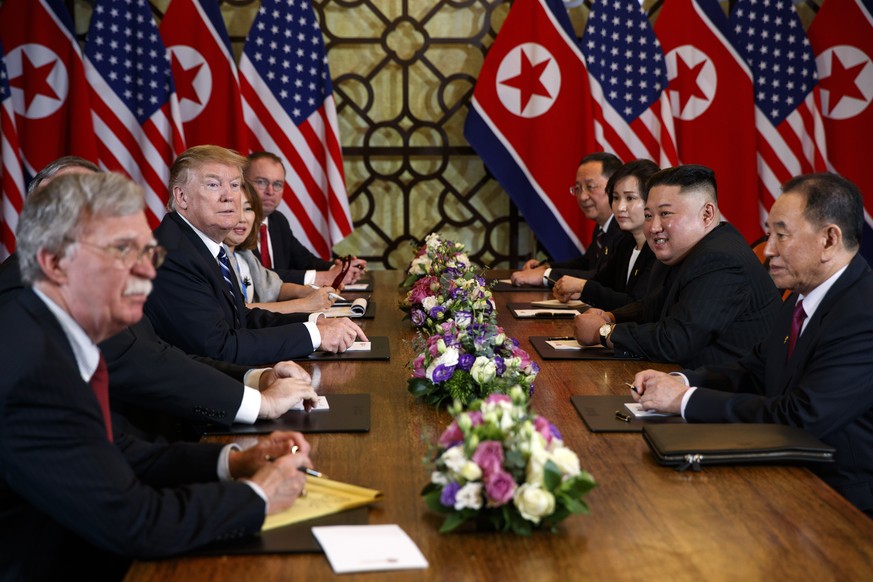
(278, 248)
(79, 496)
(592, 175)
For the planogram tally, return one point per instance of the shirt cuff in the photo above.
(250, 407)
(224, 474)
(252, 378)
(685, 398)
(309, 277)
(224, 462)
(314, 334)
(546, 276)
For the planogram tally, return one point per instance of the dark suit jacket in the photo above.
(711, 308)
(611, 287)
(152, 383)
(192, 308)
(586, 266)
(291, 259)
(825, 388)
(66, 491)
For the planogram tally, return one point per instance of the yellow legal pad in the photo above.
(323, 497)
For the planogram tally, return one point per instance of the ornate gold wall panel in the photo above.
(403, 73)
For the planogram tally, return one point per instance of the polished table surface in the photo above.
(646, 522)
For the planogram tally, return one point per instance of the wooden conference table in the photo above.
(647, 522)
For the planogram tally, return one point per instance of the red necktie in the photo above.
(265, 247)
(100, 386)
(796, 325)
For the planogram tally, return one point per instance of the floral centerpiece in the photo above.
(506, 468)
(466, 361)
(434, 257)
(457, 294)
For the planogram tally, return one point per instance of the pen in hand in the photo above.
(632, 387)
(335, 297)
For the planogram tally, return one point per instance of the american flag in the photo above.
(133, 102)
(289, 108)
(791, 139)
(11, 174)
(632, 116)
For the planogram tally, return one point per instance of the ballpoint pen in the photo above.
(335, 297)
(632, 387)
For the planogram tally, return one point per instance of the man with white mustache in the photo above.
(89, 496)
(710, 300)
(160, 389)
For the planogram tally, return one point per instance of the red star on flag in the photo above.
(685, 82)
(842, 81)
(184, 79)
(35, 79)
(528, 80)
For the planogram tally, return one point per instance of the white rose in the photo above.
(484, 370)
(470, 495)
(420, 265)
(533, 502)
(537, 462)
(567, 461)
(439, 478)
(454, 459)
(429, 303)
(471, 471)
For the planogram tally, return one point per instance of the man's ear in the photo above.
(53, 266)
(180, 198)
(709, 213)
(832, 241)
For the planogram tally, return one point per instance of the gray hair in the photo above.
(56, 166)
(54, 216)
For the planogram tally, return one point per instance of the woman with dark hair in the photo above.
(625, 276)
(262, 287)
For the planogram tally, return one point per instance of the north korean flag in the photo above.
(205, 75)
(49, 92)
(842, 38)
(712, 97)
(530, 121)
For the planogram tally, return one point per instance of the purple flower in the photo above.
(447, 497)
(476, 418)
(465, 362)
(435, 311)
(500, 487)
(418, 366)
(442, 373)
(500, 364)
(489, 456)
(421, 289)
(451, 436)
(546, 428)
(417, 317)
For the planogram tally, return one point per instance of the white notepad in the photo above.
(368, 548)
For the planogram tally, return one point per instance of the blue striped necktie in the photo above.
(224, 263)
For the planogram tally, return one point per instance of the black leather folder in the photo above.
(347, 413)
(692, 445)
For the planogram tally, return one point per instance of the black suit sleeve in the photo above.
(715, 285)
(148, 373)
(832, 385)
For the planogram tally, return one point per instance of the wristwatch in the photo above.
(605, 330)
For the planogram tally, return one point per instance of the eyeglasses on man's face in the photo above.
(277, 185)
(127, 254)
(578, 188)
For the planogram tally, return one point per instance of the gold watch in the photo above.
(605, 330)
